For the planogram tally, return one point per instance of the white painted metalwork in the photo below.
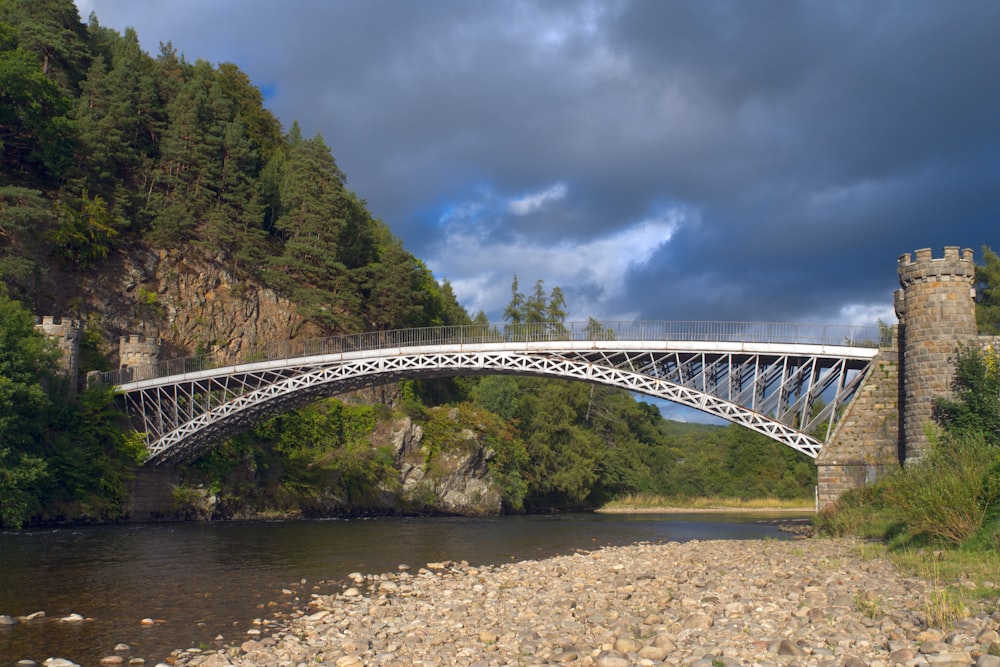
(788, 382)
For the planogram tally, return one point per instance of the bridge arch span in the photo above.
(783, 390)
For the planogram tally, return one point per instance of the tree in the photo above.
(86, 230)
(25, 218)
(27, 358)
(234, 224)
(514, 312)
(190, 165)
(52, 32)
(247, 102)
(393, 289)
(988, 294)
(975, 407)
(536, 308)
(34, 129)
(313, 209)
(119, 119)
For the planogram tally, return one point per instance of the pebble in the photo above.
(808, 603)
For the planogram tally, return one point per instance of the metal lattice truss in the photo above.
(793, 393)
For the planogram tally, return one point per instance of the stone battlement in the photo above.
(139, 341)
(67, 333)
(955, 265)
(137, 351)
(58, 327)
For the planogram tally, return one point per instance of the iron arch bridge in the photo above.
(787, 381)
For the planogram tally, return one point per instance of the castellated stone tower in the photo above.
(937, 312)
(138, 353)
(66, 333)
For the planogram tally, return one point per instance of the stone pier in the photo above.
(890, 420)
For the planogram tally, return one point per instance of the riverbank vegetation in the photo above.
(950, 498)
(646, 502)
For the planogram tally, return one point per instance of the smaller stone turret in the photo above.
(66, 333)
(937, 313)
(138, 354)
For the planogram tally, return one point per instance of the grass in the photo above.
(868, 604)
(961, 579)
(649, 502)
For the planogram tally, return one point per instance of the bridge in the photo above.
(787, 381)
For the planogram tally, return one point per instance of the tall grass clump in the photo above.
(947, 496)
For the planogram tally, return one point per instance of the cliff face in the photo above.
(190, 301)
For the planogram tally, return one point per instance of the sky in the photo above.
(655, 159)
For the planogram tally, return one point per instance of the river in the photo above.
(201, 581)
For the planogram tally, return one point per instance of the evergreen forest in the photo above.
(108, 154)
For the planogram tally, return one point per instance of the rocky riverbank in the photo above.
(709, 604)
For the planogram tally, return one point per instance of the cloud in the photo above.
(663, 160)
(534, 202)
(592, 271)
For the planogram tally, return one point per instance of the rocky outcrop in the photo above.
(195, 303)
(455, 481)
(449, 482)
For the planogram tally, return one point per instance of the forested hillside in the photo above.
(150, 194)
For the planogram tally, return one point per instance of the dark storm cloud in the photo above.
(682, 160)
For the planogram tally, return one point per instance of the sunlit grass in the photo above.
(961, 579)
(643, 501)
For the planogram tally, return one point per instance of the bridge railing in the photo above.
(478, 334)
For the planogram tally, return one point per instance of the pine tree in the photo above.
(312, 208)
(234, 225)
(25, 219)
(51, 30)
(191, 161)
(34, 129)
(247, 102)
(988, 294)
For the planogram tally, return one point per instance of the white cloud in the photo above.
(481, 273)
(867, 314)
(533, 202)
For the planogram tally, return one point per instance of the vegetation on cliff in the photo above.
(124, 177)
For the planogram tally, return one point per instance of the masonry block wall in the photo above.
(937, 312)
(865, 445)
(66, 333)
(138, 353)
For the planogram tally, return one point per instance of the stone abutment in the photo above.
(890, 422)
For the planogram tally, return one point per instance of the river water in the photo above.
(200, 581)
